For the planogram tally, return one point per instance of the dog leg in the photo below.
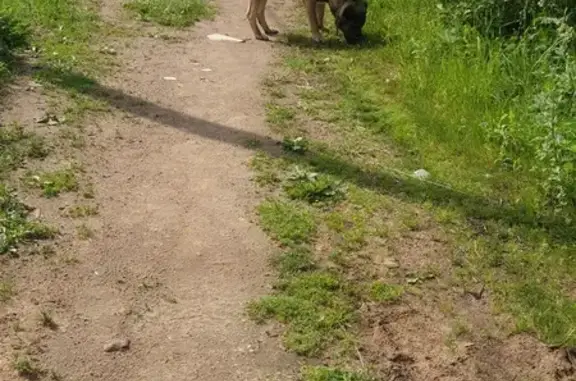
(261, 16)
(252, 16)
(320, 7)
(313, 20)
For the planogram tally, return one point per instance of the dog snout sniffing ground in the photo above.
(349, 16)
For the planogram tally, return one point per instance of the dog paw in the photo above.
(262, 37)
(271, 32)
(317, 39)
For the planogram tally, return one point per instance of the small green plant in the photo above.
(15, 227)
(79, 211)
(383, 292)
(26, 367)
(84, 232)
(54, 183)
(297, 145)
(289, 223)
(6, 291)
(322, 373)
(176, 13)
(313, 187)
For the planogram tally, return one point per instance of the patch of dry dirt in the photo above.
(443, 331)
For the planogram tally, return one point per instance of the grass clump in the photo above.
(382, 292)
(321, 373)
(6, 291)
(84, 232)
(80, 211)
(54, 183)
(288, 222)
(313, 187)
(16, 146)
(15, 227)
(315, 306)
(175, 13)
(27, 367)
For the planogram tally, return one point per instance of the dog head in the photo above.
(350, 16)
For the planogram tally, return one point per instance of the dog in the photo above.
(349, 16)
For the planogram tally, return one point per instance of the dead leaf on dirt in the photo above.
(412, 280)
(108, 50)
(50, 119)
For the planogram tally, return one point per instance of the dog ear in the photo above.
(351, 10)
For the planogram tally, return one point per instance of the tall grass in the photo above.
(490, 112)
(61, 32)
(492, 115)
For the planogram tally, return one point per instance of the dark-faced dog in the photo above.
(349, 15)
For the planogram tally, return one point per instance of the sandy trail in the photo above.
(175, 257)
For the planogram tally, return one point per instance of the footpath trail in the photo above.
(175, 258)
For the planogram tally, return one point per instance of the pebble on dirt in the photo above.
(117, 345)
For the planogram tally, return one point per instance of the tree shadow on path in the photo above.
(379, 179)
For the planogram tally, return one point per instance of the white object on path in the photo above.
(223, 37)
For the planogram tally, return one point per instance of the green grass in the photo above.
(290, 223)
(313, 187)
(55, 182)
(80, 211)
(472, 112)
(17, 146)
(279, 116)
(6, 291)
(316, 307)
(62, 31)
(320, 373)
(16, 228)
(294, 261)
(382, 292)
(84, 232)
(175, 13)
(27, 367)
(13, 36)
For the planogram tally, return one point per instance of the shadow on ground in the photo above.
(379, 179)
(332, 42)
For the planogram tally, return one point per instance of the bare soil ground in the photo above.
(172, 257)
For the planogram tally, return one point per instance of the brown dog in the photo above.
(350, 17)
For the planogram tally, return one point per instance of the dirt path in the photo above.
(175, 257)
